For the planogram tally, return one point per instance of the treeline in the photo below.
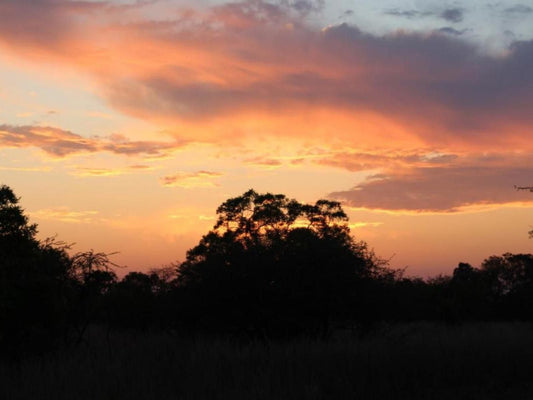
(270, 268)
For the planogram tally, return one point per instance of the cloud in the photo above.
(264, 162)
(452, 15)
(216, 73)
(361, 224)
(404, 159)
(59, 143)
(305, 7)
(519, 9)
(452, 31)
(26, 114)
(85, 171)
(91, 171)
(449, 14)
(188, 180)
(65, 214)
(26, 169)
(407, 13)
(487, 180)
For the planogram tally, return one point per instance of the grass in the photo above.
(409, 361)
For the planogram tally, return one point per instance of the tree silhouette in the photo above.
(133, 302)
(34, 278)
(91, 278)
(509, 279)
(272, 264)
(14, 224)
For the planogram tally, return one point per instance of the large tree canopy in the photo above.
(273, 260)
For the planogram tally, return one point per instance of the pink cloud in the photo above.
(60, 143)
(261, 58)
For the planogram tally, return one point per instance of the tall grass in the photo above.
(417, 361)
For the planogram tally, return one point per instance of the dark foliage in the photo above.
(33, 282)
(271, 268)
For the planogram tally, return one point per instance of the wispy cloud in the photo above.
(65, 214)
(188, 180)
(91, 171)
(452, 31)
(396, 12)
(519, 9)
(449, 14)
(264, 162)
(362, 224)
(358, 160)
(59, 143)
(26, 169)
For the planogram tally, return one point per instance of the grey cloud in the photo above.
(519, 9)
(452, 31)
(407, 13)
(441, 189)
(452, 15)
(305, 7)
(43, 21)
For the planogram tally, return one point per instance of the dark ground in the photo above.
(408, 361)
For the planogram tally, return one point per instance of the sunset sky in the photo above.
(124, 124)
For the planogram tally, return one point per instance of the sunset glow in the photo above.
(124, 124)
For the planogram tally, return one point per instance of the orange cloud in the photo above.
(26, 169)
(90, 171)
(264, 162)
(64, 214)
(187, 180)
(256, 59)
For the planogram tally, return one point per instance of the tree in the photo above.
(509, 279)
(271, 263)
(14, 223)
(468, 293)
(33, 281)
(134, 301)
(92, 277)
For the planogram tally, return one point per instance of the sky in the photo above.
(124, 124)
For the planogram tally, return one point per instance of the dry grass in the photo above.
(418, 361)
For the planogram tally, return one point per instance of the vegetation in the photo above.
(408, 361)
(278, 300)
(277, 267)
